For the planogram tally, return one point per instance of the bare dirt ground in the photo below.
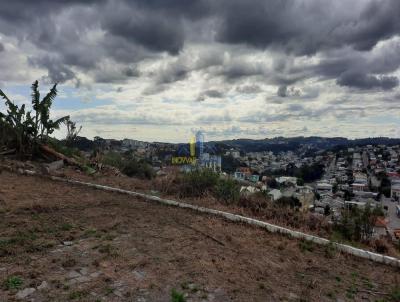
(69, 243)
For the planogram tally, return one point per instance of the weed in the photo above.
(367, 283)
(70, 262)
(227, 190)
(91, 233)
(185, 286)
(331, 295)
(109, 237)
(354, 275)
(13, 282)
(330, 250)
(351, 292)
(66, 227)
(25, 240)
(77, 295)
(108, 249)
(177, 296)
(305, 245)
(395, 294)
(281, 246)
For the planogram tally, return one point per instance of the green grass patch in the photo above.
(13, 282)
(177, 296)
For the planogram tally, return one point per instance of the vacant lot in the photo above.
(67, 243)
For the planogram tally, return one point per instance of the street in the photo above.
(394, 221)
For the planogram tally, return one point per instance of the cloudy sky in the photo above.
(158, 70)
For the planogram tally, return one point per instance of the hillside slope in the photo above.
(86, 245)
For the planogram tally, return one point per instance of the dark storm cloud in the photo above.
(362, 70)
(1, 47)
(150, 29)
(364, 81)
(193, 9)
(57, 71)
(131, 72)
(304, 28)
(79, 35)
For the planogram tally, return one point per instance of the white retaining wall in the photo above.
(238, 218)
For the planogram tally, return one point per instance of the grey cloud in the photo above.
(249, 89)
(362, 70)
(131, 72)
(240, 68)
(304, 28)
(2, 48)
(365, 81)
(57, 71)
(172, 73)
(153, 31)
(214, 94)
(214, 118)
(284, 91)
(78, 35)
(295, 107)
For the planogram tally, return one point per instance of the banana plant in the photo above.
(29, 131)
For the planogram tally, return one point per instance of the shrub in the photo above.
(60, 147)
(305, 245)
(137, 168)
(227, 190)
(177, 296)
(113, 159)
(257, 203)
(292, 202)
(381, 247)
(330, 251)
(168, 184)
(198, 183)
(130, 167)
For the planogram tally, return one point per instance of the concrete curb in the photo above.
(238, 218)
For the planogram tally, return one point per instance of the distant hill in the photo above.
(278, 144)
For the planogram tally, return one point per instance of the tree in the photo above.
(272, 183)
(335, 188)
(26, 131)
(72, 132)
(358, 224)
(327, 210)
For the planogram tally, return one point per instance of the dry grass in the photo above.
(142, 250)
